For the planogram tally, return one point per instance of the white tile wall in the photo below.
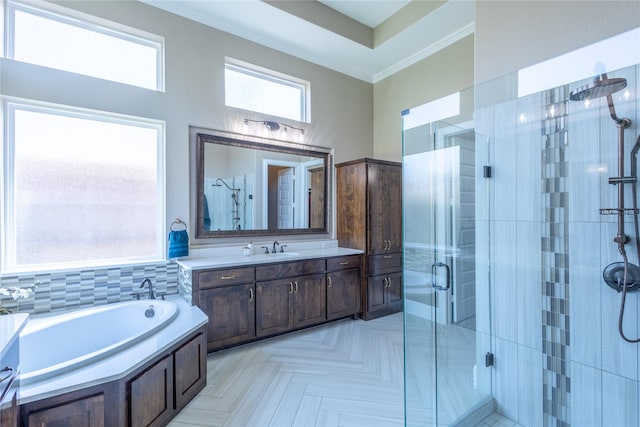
(506, 387)
(528, 283)
(619, 401)
(585, 278)
(505, 166)
(586, 395)
(604, 370)
(504, 304)
(530, 384)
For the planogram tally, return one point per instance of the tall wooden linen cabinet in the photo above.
(369, 217)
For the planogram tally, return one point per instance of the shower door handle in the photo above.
(434, 276)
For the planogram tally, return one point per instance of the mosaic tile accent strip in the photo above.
(59, 291)
(555, 262)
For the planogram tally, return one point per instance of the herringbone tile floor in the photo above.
(347, 373)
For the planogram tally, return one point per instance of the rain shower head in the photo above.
(601, 86)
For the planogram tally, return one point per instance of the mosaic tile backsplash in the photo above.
(59, 291)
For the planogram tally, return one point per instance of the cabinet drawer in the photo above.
(229, 276)
(289, 269)
(343, 262)
(385, 263)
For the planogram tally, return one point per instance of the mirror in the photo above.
(249, 186)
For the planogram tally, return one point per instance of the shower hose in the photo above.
(621, 248)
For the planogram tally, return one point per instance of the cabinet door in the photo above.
(231, 311)
(87, 412)
(394, 291)
(343, 293)
(385, 208)
(151, 395)
(274, 313)
(376, 292)
(377, 238)
(393, 207)
(310, 300)
(190, 370)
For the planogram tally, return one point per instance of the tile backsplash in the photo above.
(65, 290)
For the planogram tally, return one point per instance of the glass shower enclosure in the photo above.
(446, 275)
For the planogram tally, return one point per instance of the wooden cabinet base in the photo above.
(150, 396)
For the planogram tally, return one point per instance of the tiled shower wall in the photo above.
(67, 290)
(559, 359)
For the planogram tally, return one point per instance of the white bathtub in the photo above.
(55, 345)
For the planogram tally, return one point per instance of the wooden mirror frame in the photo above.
(200, 137)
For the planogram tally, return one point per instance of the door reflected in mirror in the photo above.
(252, 186)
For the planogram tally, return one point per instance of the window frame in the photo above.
(7, 203)
(266, 74)
(88, 22)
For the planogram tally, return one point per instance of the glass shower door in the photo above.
(444, 202)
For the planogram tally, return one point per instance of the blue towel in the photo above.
(178, 243)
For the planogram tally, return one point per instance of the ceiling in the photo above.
(387, 37)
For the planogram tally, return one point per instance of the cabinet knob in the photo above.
(296, 283)
(328, 281)
(290, 287)
(344, 263)
(230, 276)
(250, 294)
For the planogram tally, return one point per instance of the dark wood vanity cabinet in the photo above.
(227, 296)
(343, 286)
(248, 303)
(295, 300)
(292, 303)
(369, 212)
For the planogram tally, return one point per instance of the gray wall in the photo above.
(446, 72)
(514, 34)
(341, 106)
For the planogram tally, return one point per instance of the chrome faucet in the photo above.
(145, 282)
(274, 246)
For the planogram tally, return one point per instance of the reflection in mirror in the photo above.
(253, 186)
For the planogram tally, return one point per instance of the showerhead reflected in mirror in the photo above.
(251, 186)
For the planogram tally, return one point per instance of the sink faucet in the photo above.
(274, 246)
(147, 281)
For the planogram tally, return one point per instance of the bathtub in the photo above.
(55, 345)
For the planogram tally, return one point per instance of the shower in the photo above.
(235, 213)
(623, 276)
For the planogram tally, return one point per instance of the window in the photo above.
(264, 91)
(51, 37)
(82, 188)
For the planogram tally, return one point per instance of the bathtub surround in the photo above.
(125, 388)
(67, 290)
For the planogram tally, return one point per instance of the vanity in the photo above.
(248, 298)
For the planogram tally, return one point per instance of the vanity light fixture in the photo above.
(273, 126)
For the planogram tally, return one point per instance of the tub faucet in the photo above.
(145, 282)
(274, 246)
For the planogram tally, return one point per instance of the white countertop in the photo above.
(290, 254)
(189, 319)
(10, 327)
